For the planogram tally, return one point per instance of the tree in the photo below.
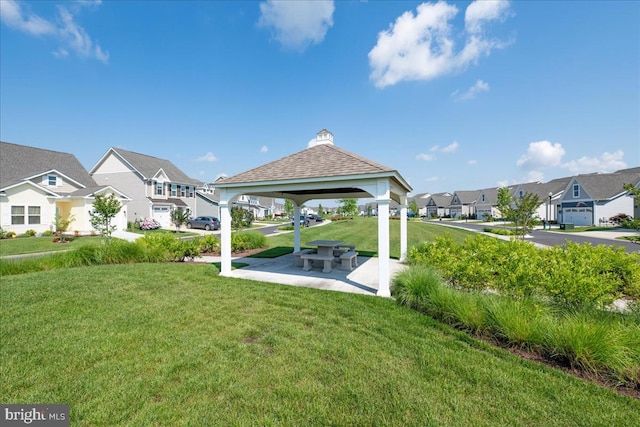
(105, 208)
(320, 210)
(413, 207)
(348, 207)
(632, 223)
(179, 216)
(62, 225)
(525, 207)
(241, 218)
(288, 208)
(504, 203)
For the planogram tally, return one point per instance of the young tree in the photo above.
(413, 207)
(62, 225)
(105, 208)
(320, 210)
(288, 208)
(241, 218)
(504, 203)
(525, 207)
(348, 207)
(179, 216)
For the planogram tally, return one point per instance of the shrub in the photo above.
(500, 231)
(209, 244)
(248, 240)
(30, 233)
(149, 224)
(286, 227)
(47, 233)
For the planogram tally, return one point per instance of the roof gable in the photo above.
(18, 162)
(148, 166)
(604, 186)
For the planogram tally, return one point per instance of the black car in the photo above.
(206, 222)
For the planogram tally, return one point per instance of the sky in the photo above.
(453, 95)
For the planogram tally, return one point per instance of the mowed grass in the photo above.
(175, 344)
(363, 232)
(29, 245)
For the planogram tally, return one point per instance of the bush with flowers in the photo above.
(149, 224)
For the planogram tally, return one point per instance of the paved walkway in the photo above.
(281, 270)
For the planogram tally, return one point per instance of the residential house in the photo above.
(486, 204)
(593, 199)
(38, 184)
(549, 194)
(438, 205)
(421, 200)
(462, 204)
(156, 186)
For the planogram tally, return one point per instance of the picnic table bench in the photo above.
(308, 259)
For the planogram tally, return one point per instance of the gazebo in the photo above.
(322, 171)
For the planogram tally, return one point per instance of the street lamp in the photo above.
(549, 210)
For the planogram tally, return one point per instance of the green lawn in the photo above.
(363, 232)
(175, 344)
(29, 245)
(181, 233)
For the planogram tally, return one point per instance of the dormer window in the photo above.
(576, 190)
(483, 198)
(521, 194)
(52, 180)
(159, 189)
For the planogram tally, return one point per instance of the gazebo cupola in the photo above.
(324, 137)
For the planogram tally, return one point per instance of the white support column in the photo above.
(225, 238)
(383, 248)
(296, 228)
(403, 229)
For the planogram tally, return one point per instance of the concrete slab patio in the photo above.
(281, 270)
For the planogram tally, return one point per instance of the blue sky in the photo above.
(454, 95)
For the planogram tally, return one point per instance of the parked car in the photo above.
(303, 221)
(206, 222)
(318, 218)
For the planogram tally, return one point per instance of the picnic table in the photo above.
(328, 251)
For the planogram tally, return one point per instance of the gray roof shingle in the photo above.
(149, 166)
(319, 161)
(18, 162)
(606, 186)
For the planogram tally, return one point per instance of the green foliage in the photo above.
(348, 207)
(241, 218)
(288, 208)
(47, 233)
(248, 240)
(209, 243)
(504, 203)
(30, 233)
(179, 217)
(499, 231)
(62, 224)
(105, 208)
(573, 274)
(413, 207)
(525, 208)
(602, 343)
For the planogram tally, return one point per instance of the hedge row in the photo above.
(572, 274)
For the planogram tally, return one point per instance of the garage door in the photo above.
(162, 215)
(578, 216)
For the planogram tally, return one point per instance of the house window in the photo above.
(159, 187)
(34, 214)
(576, 190)
(174, 190)
(521, 194)
(52, 180)
(17, 215)
(183, 191)
(483, 198)
(191, 192)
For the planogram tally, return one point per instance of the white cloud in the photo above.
(209, 157)
(297, 24)
(501, 184)
(541, 154)
(534, 176)
(479, 86)
(472, 162)
(607, 162)
(434, 148)
(264, 149)
(433, 179)
(426, 157)
(422, 46)
(71, 35)
(451, 147)
(13, 16)
(480, 12)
